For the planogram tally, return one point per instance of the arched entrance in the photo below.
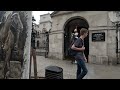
(69, 27)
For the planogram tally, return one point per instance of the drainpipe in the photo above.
(117, 26)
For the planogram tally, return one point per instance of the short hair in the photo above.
(83, 31)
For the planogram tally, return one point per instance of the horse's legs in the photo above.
(17, 39)
(7, 63)
(30, 63)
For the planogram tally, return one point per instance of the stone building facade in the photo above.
(100, 52)
(45, 23)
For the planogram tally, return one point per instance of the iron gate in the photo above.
(43, 47)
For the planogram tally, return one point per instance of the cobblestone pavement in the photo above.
(69, 70)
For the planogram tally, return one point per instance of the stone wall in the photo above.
(94, 18)
(98, 49)
(56, 45)
(103, 52)
(46, 25)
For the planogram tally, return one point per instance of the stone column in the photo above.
(26, 56)
(56, 44)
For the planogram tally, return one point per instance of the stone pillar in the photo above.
(56, 45)
(26, 56)
(103, 52)
(98, 49)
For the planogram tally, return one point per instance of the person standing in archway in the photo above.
(74, 37)
(78, 46)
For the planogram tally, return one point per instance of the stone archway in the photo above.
(69, 26)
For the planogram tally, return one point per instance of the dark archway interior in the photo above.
(69, 28)
(38, 44)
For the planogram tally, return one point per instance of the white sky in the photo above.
(37, 14)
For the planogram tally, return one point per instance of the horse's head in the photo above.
(17, 21)
(9, 19)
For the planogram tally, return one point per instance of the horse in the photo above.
(8, 49)
(5, 41)
(4, 29)
(18, 27)
(10, 38)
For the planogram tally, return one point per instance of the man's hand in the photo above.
(83, 48)
(85, 59)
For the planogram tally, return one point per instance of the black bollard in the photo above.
(53, 72)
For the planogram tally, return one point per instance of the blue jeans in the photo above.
(81, 65)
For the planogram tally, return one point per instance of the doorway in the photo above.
(70, 25)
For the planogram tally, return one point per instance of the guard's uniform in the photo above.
(33, 40)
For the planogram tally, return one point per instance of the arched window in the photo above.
(37, 43)
(44, 30)
(38, 33)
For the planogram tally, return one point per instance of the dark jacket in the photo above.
(33, 40)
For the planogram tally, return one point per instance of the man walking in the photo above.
(78, 46)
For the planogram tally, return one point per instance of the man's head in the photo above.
(83, 32)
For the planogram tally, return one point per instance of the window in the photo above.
(44, 17)
(38, 33)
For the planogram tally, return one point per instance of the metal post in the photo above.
(47, 45)
(33, 54)
(30, 66)
(117, 26)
